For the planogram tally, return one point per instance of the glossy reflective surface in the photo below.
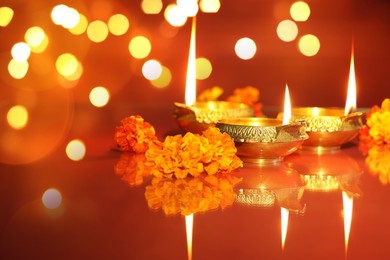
(103, 212)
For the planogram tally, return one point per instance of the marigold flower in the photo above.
(132, 168)
(134, 134)
(379, 163)
(248, 95)
(211, 94)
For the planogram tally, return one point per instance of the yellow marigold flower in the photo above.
(211, 94)
(132, 168)
(378, 123)
(379, 163)
(134, 134)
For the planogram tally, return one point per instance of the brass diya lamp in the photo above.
(198, 117)
(268, 186)
(327, 128)
(263, 140)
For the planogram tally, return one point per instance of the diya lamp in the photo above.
(198, 116)
(329, 128)
(265, 140)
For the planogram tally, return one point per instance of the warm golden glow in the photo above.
(188, 7)
(203, 68)
(189, 229)
(164, 79)
(37, 39)
(21, 51)
(67, 64)
(190, 94)
(347, 212)
(77, 74)
(52, 198)
(315, 111)
(118, 24)
(6, 15)
(209, 6)
(151, 69)
(17, 117)
(140, 47)
(287, 107)
(17, 69)
(75, 150)
(65, 16)
(300, 11)
(151, 6)
(174, 16)
(99, 96)
(350, 104)
(284, 214)
(80, 27)
(97, 31)
(309, 45)
(287, 30)
(245, 48)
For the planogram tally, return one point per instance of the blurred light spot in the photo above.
(17, 117)
(188, 7)
(80, 27)
(203, 68)
(65, 16)
(6, 15)
(57, 14)
(151, 6)
(97, 31)
(77, 74)
(174, 16)
(151, 69)
(67, 64)
(118, 24)
(209, 6)
(17, 69)
(20, 51)
(287, 30)
(99, 96)
(140, 47)
(52, 198)
(164, 79)
(245, 48)
(36, 38)
(300, 11)
(309, 45)
(75, 150)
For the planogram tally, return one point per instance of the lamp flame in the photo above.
(284, 224)
(189, 228)
(350, 104)
(190, 94)
(347, 207)
(287, 107)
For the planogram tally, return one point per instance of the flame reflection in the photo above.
(347, 209)
(189, 229)
(284, 213)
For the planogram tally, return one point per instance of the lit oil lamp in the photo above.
(197, 116)
(265, 140)
(329, 128)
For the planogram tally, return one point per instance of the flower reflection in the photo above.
(378, 161)
(191, 195)
(132, 168)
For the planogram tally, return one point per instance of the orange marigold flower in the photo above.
(132, 168)
(379, 163)
(134, 134)
(248, 95)
(211, 94)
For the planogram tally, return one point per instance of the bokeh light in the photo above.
(287, 30)
(209, 6)
(17, 69)
(164, 79)
(99, 96)
(151, 69)
(52, 198)
(97, 31)
(309, 45)
(75, 150)
(174, 16)
(21, 51)
(203, 68)
(151, 6)
(140, 47)
(300, 11)
(80, 27)
(17, 117)
(118, 24)
(245, 48)
(65, 16)
(188, 7)
(6, 15)
(67, 64)
(36, 38)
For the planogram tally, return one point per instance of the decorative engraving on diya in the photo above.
(328, 128)
(200, 116)
(263, 140)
